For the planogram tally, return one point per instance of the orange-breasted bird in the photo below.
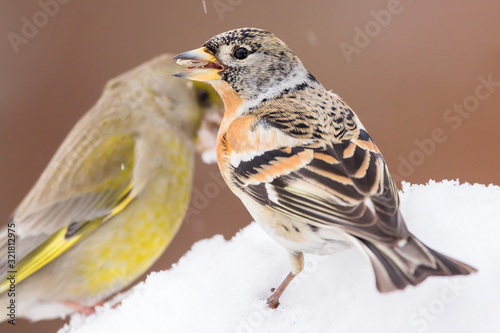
(303, 164)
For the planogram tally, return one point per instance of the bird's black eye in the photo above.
(240, 53)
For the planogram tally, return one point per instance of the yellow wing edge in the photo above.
(57, 243)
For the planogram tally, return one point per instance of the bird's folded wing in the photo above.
(345, 185)
(66, 205)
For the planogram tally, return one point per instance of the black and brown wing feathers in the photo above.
(343, 184)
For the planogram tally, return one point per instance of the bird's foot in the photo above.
(273, 302)
(82, 309)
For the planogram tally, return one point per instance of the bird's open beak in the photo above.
(201, 65)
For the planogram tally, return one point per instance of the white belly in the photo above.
(297, 235)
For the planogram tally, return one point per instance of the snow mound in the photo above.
(221, 286)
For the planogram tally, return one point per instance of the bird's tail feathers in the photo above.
(396, 267)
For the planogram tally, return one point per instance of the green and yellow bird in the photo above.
(112, 197)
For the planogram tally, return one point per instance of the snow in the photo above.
(221, 286)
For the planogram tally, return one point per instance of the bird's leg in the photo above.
(86, 310)
(297, 261)
(82, 309)
(116, 304)
(274, 300)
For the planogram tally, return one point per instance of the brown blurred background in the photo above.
(402, 79)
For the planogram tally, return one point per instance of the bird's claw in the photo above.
(273, 302)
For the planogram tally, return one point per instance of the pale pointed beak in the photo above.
(201, 65)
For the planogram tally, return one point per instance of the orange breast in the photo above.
(232, 101)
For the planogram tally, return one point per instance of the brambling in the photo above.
(113, 196)
(303, 164)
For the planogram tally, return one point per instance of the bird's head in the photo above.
(253, 62)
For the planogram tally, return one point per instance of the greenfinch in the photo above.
(112, 197)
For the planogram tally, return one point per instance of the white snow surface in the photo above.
(221, 285)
